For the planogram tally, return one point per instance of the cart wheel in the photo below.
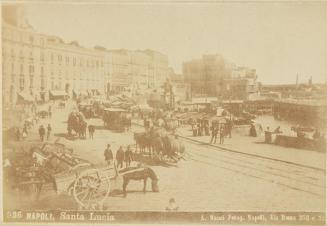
(91, 189)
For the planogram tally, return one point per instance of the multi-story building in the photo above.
(23, 58)
(206, 75)
(36, 65)
(158, 69)
(181, 89)
(74, 69)
(214, 76)
(242, 85)
(136, 70)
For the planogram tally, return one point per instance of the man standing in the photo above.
(120, 157)
(108, 155)
(91, 131)
(128, 156)
(229, 128)
(49, 111)
(42, 132)
(48, 131)
(24, 134)
(18, 134)
(214, 133)
(222, 134)
(199, 133)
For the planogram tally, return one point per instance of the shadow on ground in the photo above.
(147, 160)
(68, 137)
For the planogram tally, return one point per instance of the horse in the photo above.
(141, 140)
(157, 146)
(76, 123)
(82, 129)
(141, 174)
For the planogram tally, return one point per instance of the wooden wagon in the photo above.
(115, 118)
(53, 164)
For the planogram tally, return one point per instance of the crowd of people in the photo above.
(223, 128)
(23, 133)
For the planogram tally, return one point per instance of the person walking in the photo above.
(214, 133)
(42, 132)
(194, 129)
(120, 157)
(108, 156)
(49, 111)
(222, 134)
(91, 131)
(199, 133)
(229, 128)
(25, 132)
(206, 127)
(18, 134)
(128, 156)
(49, 129)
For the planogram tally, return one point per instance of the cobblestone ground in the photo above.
(208, 179)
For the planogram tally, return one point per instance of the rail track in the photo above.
(288, 174)
(295, 176)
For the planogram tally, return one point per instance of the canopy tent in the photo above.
(24, 97)
(57, 94)
(141, 107)
(115, 109)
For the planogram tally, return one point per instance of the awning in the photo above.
(115, 109)
(58, 93)
(26, 97)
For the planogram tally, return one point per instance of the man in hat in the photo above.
(128, 156)
(48, 131)
(91, 131)
(214, 133)
(108, 156)
(222, 133)
(42, 132)
(120, 157)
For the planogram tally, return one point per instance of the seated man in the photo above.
(277, 130)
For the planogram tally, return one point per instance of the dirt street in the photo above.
(208, 179)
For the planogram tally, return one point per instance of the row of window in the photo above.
(30, 69)
(82, 62)
(43, 83)
(22, 82)
(21, 55)
(23, 38)
(87, 63)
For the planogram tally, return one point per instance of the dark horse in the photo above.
(141, 174)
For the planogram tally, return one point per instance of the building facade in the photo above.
(214, 76)
(242, 85)
(23, 62)
(136, 70)
(181, 89)
(206, 75)
(37, 65)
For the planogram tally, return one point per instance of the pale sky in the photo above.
(279, 40)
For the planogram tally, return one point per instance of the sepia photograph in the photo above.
(164, 112)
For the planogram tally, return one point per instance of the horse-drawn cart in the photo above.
(53, 165)
(116, 118)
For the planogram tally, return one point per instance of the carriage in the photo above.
(42, 114)
(116, 118)
(53, 165)
(159, 146)
(86, 109)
